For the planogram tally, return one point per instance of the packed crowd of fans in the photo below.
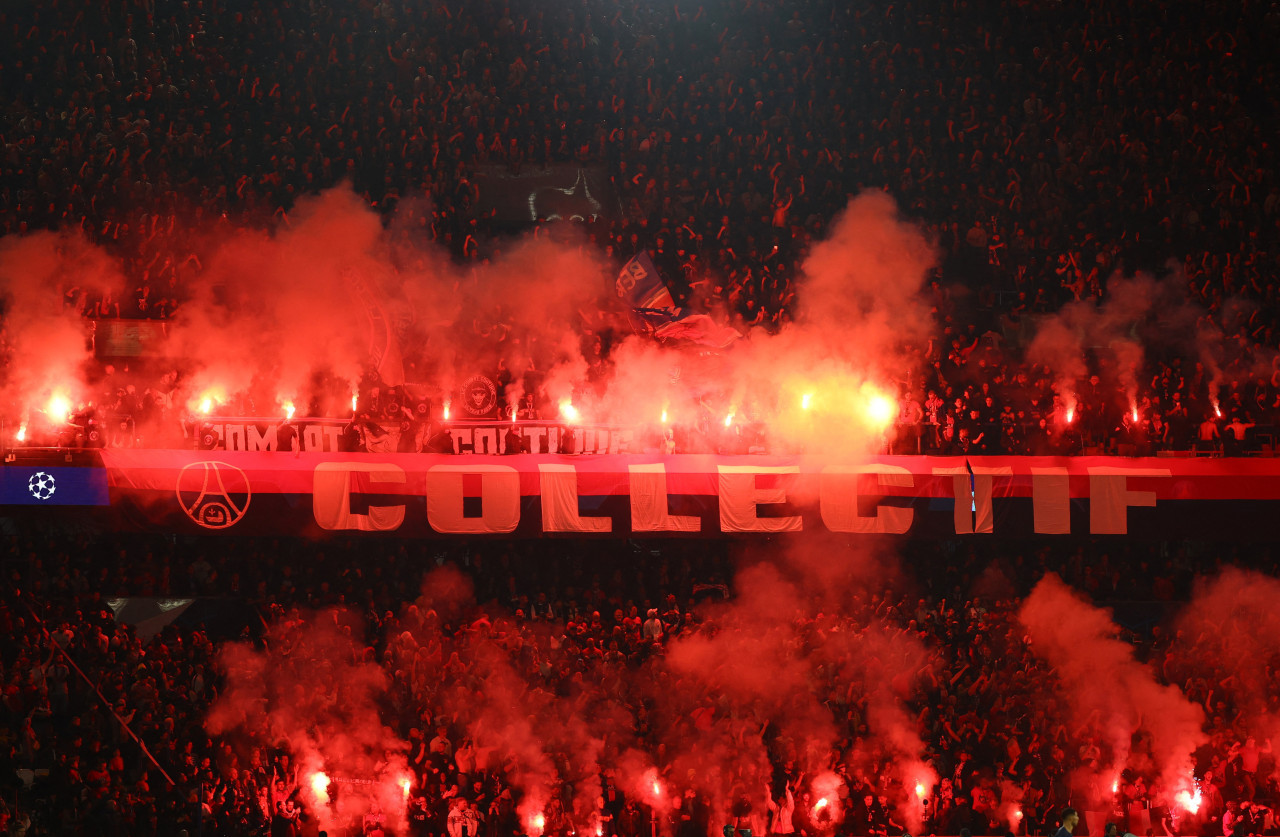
(1044, 146)
(105, 720)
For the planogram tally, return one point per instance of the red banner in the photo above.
(640, 495)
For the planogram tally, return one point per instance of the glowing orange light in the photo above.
(21, 435)
(405, 784)
(880, 410)
(1189, 801)
(1217, 410)
(355, 399)
(728, 420)
(599, 830)
(288, 410)
(920, 790)
(1071, 415)
(206, 404)
(820, 805)
(657, 789)
(1115, 786)
(569, 411)
(320, 786)
(664, 416)
(446, 411)
(536, 823)
(1135, 415)
(58, 409)
(1018, 814)
(806, 400)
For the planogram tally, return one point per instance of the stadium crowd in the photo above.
(1044, 147)
(79, 686)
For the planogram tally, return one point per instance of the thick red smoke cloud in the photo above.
(294, 314)
(1135, 720)
(317, 693)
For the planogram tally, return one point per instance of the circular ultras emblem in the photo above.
(214, 495)
(479, 395)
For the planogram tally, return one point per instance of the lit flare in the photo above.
(320, 786)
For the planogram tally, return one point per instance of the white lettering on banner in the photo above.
(1051, 501)
(739, 498)
(649, 505)
(499, 499)
(261, 440)
(326, 436)
(558, 485)
(838, 501)
(972, 490)
(1110, 497)
(331, 497)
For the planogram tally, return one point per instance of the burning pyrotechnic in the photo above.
(58, 409)
(921, 790)
(446, 411)
(21, 435)
(1189, 801)
(664, 416)
(288, 410)
(536, 824)
(405, 785)
(1071, 414)
(881, 410)
(806, 400)
(569, 411)
(820, 805)
(1135, 415)
(206, 405)
(355, 399)
(728, 420)
(320, 786)
(1217, 409)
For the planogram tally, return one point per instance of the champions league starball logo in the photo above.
(41, 485)
(214, 495)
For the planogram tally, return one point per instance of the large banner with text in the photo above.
(623, 495)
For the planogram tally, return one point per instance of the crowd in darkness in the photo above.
(991, 715)
(1043, 146)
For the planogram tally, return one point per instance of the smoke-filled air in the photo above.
(303, 316)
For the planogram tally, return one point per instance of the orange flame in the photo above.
(446, 411)
(320, 786)
(1189, 801)
(569, 411)
(21, 435)
(880, 410)
(58, 409)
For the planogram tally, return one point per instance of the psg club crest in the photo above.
(479, 395)
(214, 495)
(41, 485)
